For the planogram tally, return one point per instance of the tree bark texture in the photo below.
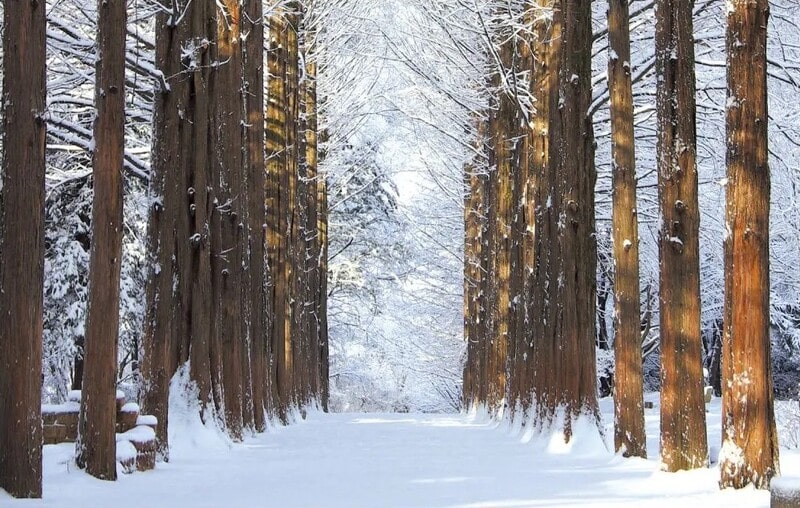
(97, 444)
(474, 322)
(277, 183)
(537, 353)
(629, 426)
(220, 271)
(256, 191)
(22, 247)
(683, 428)
(750, 443)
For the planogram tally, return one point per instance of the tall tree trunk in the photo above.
(541, 293)
(503, 139)
(629, 429)
(97, 445)
(302, 300)
(199, 210)
(474, 329)
(226, 233)
(324, 355)
(313, 232)
(750, 443)
(254, 109)
(576, 171)
(179, 314)
(518, 388)
(277, 180)
(22, 248)
(293, 266)
(544, 45)
(564, 292)
(683, 426)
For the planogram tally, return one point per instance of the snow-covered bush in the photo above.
(67, 242)
(787, 418)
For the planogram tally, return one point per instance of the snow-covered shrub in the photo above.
(605, 371)
(67, 250)
(67, 241)
(787, 418)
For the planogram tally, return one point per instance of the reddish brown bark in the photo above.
(474, 325)
(750, 442)
(563, 293)
(277, 183)
(683, 426)
(22, 247)
(629, 430)
(96, 448)
(254, 109)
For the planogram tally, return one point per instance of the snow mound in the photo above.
(788, 487)
(187, 430)
(125, 450)
(585, 439)
(140, 434)
(67, 407)
(147, 420)
(130, 407)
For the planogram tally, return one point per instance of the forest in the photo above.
(234, 233)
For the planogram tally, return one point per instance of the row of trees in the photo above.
(237, 232)
(531, 241)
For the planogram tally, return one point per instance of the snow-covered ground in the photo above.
(392, 460)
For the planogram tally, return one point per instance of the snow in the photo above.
(140, 434)
(130, 407)
(394, 460)
(67, 407)
(147, 420)
(787, 486)
(125, 450)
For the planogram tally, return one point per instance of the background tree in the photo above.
(683, 426)
(629, 433)
(96, 447)
(257, 318)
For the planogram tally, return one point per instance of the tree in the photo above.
(172, 110)
(227, 219)
(22, 248)
(563, 291)
(277, 183)
(474, 285)
(749, 452)
(96, 447)
(629, 432)
(501, 136)
(683, 426)
(256, 317)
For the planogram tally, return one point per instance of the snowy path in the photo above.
(384, 461)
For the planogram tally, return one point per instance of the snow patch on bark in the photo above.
(731, 455)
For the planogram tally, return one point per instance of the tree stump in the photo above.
(143, 439)
(60, 422)
(127, 416)
(126, 455)
(785, 492)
